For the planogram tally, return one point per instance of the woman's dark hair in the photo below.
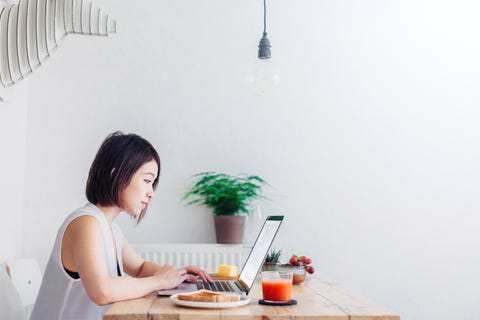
(118, 158)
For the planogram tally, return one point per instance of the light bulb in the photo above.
(264, 76)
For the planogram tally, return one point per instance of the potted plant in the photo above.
(272, 260)
(229, 196)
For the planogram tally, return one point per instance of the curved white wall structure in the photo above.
(31, 30)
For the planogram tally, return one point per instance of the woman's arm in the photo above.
(84, 246)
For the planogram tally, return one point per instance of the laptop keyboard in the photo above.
(222, 286)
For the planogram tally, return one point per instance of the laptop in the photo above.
(249, 271)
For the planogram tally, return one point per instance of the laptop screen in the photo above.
(259, 251)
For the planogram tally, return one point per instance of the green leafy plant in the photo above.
(225, 194)
(273, 256)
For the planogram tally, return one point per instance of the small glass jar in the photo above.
(299, 272)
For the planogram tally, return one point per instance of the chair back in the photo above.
(27, 278)
(11, 307)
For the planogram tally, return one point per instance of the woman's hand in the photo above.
(170, 277)
(194, 272)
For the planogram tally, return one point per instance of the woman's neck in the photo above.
(110, 212)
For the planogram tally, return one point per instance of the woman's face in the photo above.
(139, 191)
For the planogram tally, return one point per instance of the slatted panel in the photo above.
(31, 30)
(206, 256)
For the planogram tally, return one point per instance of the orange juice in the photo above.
(277, 290)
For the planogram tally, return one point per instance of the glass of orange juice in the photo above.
(277, 285)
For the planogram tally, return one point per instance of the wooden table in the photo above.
(318, 299)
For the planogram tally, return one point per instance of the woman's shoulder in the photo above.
(86, 210)
(84, 227)
(86, 215)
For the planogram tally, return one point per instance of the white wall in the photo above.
(13, 124)
(370, 139)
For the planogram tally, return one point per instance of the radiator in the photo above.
(204, 255)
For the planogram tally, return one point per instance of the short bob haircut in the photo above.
(118, 158)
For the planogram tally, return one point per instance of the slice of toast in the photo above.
(209, 296)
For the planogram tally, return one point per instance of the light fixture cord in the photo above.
(264, 17)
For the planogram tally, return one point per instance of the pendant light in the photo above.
(265, 72)
(264, 46)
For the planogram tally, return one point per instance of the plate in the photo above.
(209, 305)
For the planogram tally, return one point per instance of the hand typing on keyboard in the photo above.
(194, 272)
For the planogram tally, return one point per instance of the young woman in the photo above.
(90, 259)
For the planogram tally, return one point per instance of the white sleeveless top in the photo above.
(64, 298)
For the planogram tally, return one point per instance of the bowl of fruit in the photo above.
(299, 265)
